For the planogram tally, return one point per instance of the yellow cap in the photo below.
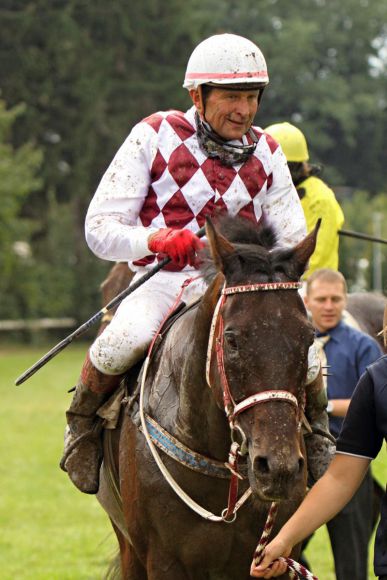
(291, 139)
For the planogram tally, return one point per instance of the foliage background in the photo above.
(75, 76)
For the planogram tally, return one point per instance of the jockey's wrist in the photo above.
(330, 407)
(139, 243)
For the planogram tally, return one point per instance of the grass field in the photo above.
(49, 530)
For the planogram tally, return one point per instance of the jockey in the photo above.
(317, 199)
(172, 171)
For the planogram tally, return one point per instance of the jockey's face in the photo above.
(229, 112)
(326, 302)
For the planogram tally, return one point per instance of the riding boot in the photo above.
(320, 444)
(83, 454)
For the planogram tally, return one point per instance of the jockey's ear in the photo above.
(220, 247)
(304, 250)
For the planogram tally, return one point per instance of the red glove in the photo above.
(179, 245)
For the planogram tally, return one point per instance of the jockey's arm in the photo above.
(112, 228)
(326, 498)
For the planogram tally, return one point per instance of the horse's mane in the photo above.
(255, 249)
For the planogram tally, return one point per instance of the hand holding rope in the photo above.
(296, 571)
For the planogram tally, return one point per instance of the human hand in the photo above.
(270, 566)
(179, 245)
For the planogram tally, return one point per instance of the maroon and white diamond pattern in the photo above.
(160, 177)
(188, 185)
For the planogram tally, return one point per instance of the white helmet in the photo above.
(226, 59)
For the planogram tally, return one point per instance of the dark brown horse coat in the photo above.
(266, 341)
(367, 308)
(267, 338)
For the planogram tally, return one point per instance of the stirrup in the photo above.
(92, 433)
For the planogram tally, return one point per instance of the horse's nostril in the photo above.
(262, 465)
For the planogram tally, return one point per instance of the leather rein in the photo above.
(232, 409)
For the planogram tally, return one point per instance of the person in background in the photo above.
(317, 199)
(347, 352)
(172, 171)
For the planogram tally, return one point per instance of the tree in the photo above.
(87, 71)
(113, 64)
(327, 63)
(357, 256)
(18, 179)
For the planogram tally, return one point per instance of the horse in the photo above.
(224, 386)
(367, 308)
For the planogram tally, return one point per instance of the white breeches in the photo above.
(126, 339)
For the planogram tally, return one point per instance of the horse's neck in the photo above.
(200, 423)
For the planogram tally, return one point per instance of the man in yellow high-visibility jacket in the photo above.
(317, 199)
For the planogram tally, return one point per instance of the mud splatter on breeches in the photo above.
(125, 340)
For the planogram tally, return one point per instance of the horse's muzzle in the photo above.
(278, 477)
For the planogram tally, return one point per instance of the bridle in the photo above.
(232, 409)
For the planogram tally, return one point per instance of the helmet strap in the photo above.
(260, 95)
(201, 101)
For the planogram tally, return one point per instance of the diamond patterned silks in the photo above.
(187, 185)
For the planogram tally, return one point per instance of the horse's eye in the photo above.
(231, 339)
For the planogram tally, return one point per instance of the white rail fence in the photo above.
(37, 324)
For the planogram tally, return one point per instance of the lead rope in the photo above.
(296, 570)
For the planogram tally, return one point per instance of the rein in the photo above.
(232, 410)
(167, 475)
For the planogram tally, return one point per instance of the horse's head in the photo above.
(258, 351)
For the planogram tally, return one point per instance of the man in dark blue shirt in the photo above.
(347, 352)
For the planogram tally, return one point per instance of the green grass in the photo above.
(48, 529)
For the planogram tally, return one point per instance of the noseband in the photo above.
(233, 409)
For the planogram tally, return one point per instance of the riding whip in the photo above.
(96, 317)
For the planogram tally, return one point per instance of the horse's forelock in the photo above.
(246, 260)
(243, 231)
(255, 251)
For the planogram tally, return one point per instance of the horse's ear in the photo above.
(304, 250)
(220, 247)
